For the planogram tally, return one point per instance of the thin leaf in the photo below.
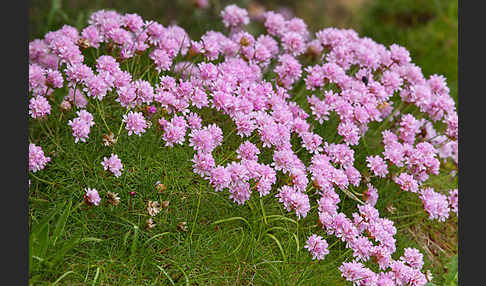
(278, 244)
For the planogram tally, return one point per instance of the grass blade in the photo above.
(232, 219)
(278, 244)
(61, 277)
(61, 223)
(281, 217)
(154, 237)
(166, 274)
(134, 242)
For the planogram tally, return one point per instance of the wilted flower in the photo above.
(153, 208)
(150, 223)
(182, 226)
(113, 198)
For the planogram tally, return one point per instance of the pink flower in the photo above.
(377, 165)
(294, 200)
(135, 123)
(54, 79)
(81, 125)
(288, 71)
(113, 164)
(274, 23)
(234, 16)
(39, 107)
(407, 182)
(409, 126)
(317, 246)
(194, 121)
(37, 160)
(161, 60)
(206, 139)
(248, 151)
(435, 204)
(453, 200)
(311, 142)
(371, 195)
(81, 100)
(219, 178)
(108, 64)
(413, 258)
(174, 131)
(355, 271)
(37, 79)
(350, 132)
(92, 197)
(293, 43)
(203, 163)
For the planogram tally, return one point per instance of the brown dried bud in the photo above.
(108, 139)
(83, 43)
(182, 226)
(160, 188)
(65, 105)
(165, 204)
(150, 223)
(153, 208)
(113, 198)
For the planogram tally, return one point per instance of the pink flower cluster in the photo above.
(357, 81)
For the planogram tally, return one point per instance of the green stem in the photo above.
(102, 113)
(197, 212)
(42, 180)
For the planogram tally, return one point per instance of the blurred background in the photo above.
(427, 28)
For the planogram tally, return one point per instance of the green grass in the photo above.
(258, 243)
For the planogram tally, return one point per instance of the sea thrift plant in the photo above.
(303, 108)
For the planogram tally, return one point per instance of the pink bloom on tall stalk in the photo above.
(37, 159)
(113, 164)
(453, 200)
(234, 16)
(377, 165)
(92, 197)
(81, 125)
(39, 107)
(436, 204)
(135, 123)
(294, 200)
(317, 246)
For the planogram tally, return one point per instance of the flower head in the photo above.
(92, 197)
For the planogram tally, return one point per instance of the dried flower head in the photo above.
(109, 139)
(113, 198)
(160, 188)
(428, 275)
(150, 223)
(65, 105)
(83, 43)
(391, 209)
(153, 208)
(165, 204)
(182, 226)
